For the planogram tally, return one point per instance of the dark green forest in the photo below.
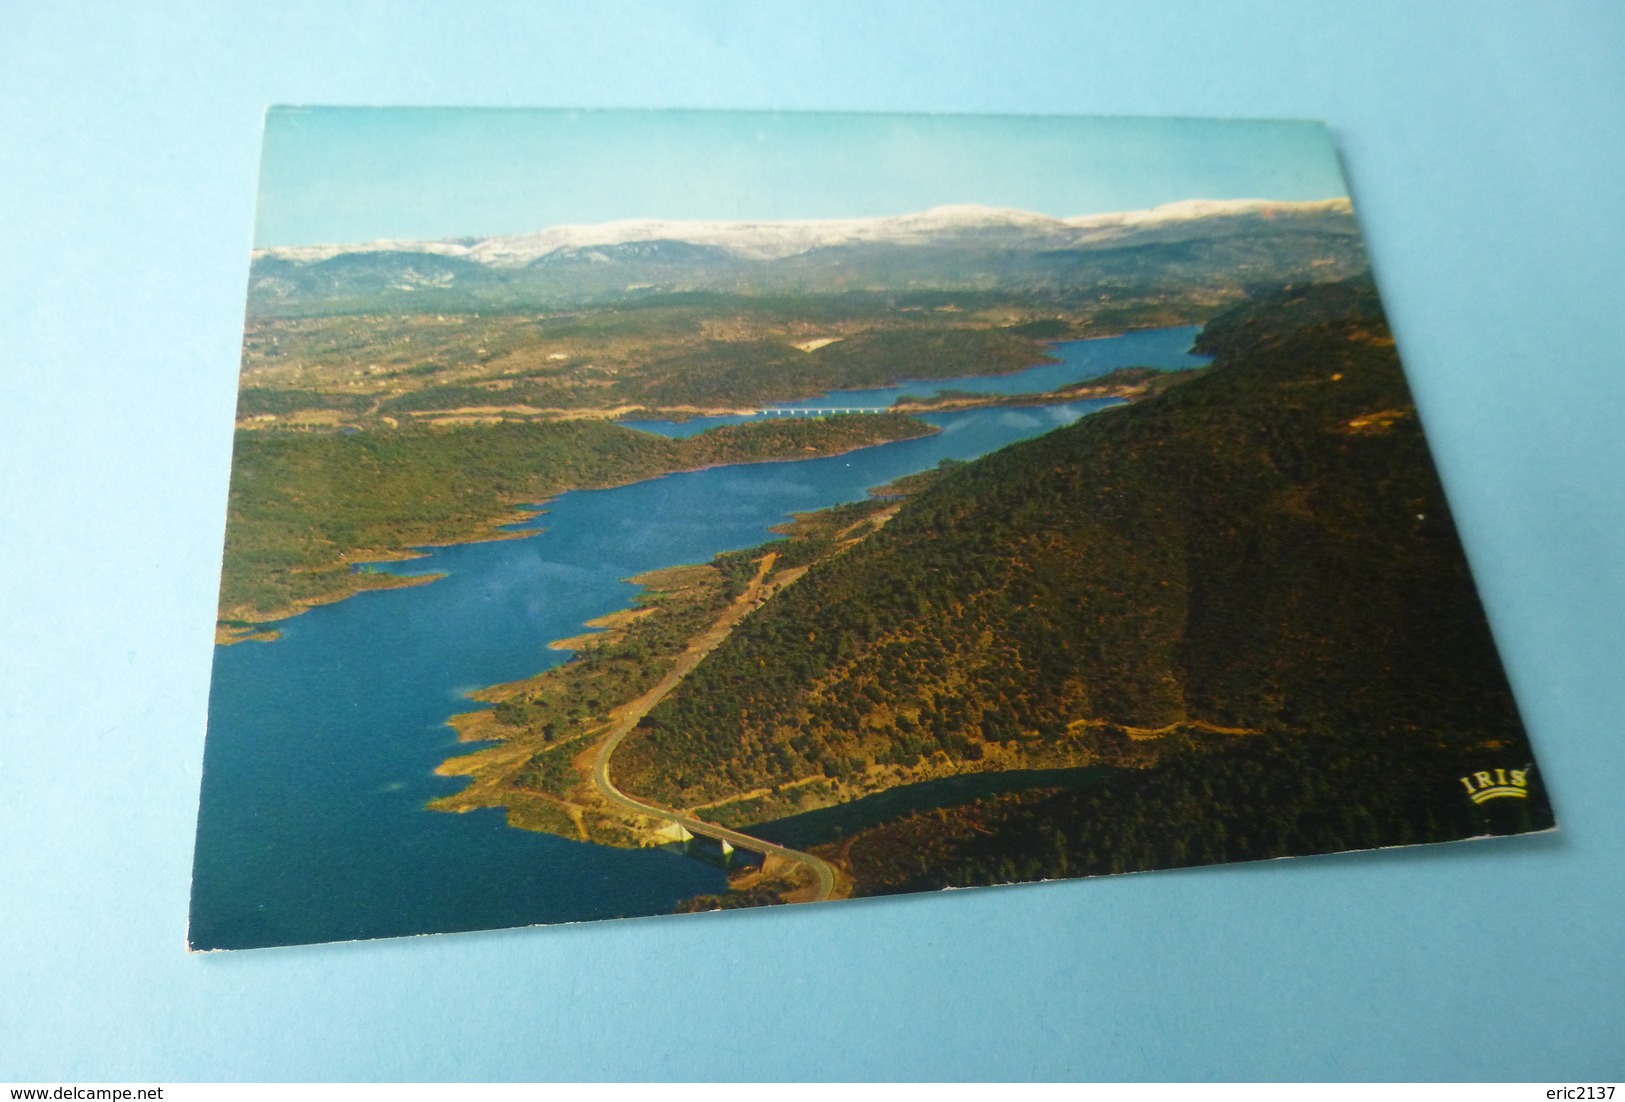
(1258, 559)
(733, 372)
(1274, 795)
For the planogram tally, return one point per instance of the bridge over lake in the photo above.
(821, 412)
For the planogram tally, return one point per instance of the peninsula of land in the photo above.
(1210, 584)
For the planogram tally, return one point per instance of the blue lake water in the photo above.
(830, 824)
(322, 746)
(1077, 361)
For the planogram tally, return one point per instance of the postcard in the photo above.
(635, 513)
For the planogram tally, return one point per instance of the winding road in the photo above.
(628, 716)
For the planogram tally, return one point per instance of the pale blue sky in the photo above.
(360, 174)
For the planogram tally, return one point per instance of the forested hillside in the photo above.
(1256, 557)
(1280, 794)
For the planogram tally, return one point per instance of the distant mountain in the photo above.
(774, 240)
(946, 248)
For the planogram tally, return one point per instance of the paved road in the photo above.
(635, 711)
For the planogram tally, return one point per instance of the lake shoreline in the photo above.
(491, 532)
(245, 628)
(345, 768)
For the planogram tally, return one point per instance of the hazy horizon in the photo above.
(357, 175)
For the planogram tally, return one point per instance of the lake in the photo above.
(1076, 361)
(322, 746)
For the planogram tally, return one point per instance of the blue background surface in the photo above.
(1486, 153)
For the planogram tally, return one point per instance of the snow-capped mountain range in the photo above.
(1186, 247)
(961, 224)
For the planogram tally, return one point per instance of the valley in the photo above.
(1076, 601)
(558, 532)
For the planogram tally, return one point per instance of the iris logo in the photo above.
(1484, 785)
